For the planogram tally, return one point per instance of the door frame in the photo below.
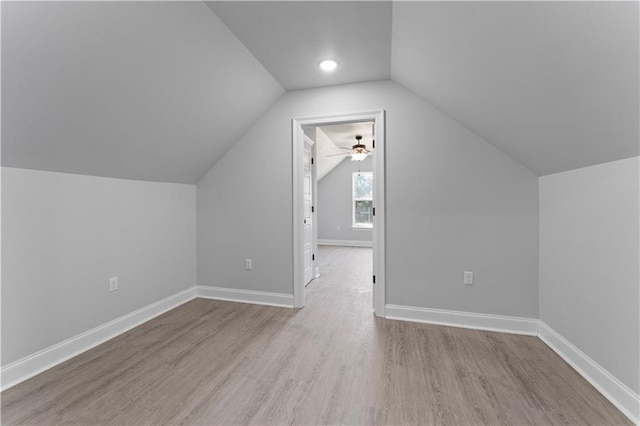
(297, 141)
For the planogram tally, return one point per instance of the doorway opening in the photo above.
(367, 207)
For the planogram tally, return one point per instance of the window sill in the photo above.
(362, 228)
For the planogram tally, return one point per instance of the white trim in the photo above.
(297, 166)
(379, 222)
(379, 200)
(346, 243)
(623, 398)
(31, 365)
(245, 296)
(626, 400)
(503, 324)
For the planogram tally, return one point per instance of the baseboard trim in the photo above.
(625, 400)
(486, 322)
(245, 296)
(31, 365)
(345, 243)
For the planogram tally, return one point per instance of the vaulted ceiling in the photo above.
(334, 143)
(290, 38)
(552, 84)
(141, 90)
(160, 90)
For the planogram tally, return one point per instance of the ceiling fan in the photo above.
(358, 152)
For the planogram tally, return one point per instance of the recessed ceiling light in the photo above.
(328, 65)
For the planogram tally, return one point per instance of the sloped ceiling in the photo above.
(291, 38)
(344, 135)
(555, 85)
(142, 90)
(160, 90)
(329, 140)
(328, 155)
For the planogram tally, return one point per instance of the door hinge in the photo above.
(313, 209)
(374, 143)
(374, 211)
(311, 160)
(313, 257)
(374, 279)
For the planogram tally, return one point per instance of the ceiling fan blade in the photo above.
(334, 155)
(342, 147)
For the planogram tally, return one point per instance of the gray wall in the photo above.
(454, 203)
(334, 203)
(64, 235)
(589, 254)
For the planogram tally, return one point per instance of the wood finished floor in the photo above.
(213, 362)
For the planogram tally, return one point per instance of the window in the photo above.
(362, 202)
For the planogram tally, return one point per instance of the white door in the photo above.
(375, 225)
(308, 216)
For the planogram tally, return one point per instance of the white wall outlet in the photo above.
(338, 228)
(113, 284)
(248, 264)
(468, 277)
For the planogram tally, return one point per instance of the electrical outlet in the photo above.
(337, 228)
(468, 277)
(248, 264)
(113, 284)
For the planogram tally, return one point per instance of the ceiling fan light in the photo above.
(358, 156)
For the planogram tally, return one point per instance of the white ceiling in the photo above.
(552, 84)
(141, 90)
(344, 135)
(329, 140)
(291, 38)
(326, 160)
(160, 90)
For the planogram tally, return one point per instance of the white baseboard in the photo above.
(346, 243)
(503, 324)
(606, 383)
(245, 296)
(626, 400)
(623, 398)
(31, 365)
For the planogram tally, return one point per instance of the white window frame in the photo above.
(355, 225)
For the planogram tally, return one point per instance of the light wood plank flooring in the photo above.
(333, 362)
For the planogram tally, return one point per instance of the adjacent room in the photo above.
(306, 212)
(339, 196)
